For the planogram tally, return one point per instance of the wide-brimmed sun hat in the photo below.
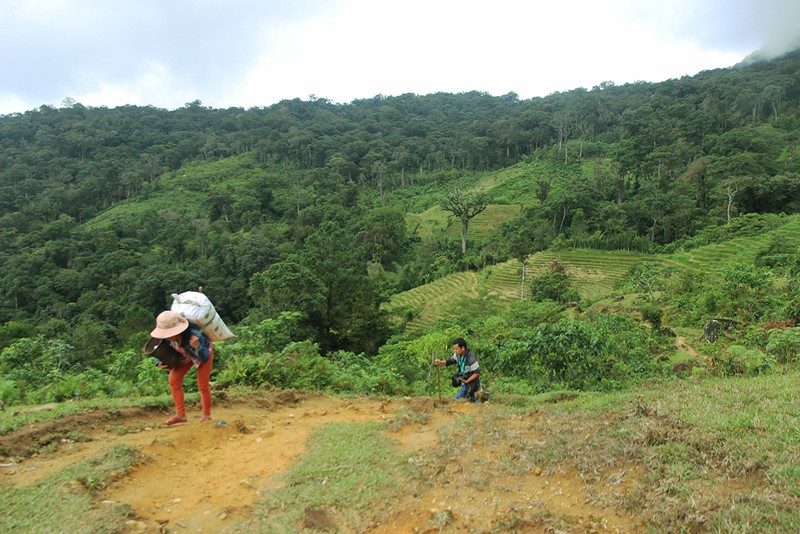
(168, 324)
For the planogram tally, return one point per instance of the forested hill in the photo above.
(314, 207)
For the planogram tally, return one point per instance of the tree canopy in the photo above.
(310, 206)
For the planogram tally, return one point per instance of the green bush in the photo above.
(740, 360)
(245, 370)
(553, 285)
(36, 361)
(152, 380)
(652, 314)
(360, 374)
(300, 366)
(9, 392)
(784, 344)
(599, 355)
(123, 365)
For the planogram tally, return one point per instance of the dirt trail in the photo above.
(204, 477)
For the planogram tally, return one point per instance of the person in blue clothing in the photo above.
(197, 351)
(468, 368)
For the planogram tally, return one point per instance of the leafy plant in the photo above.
(784, 345)
(554, 284)
(653, 315)
(740, 360)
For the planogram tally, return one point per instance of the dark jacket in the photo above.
(467, 364)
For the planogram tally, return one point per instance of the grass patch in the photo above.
(718, 454)
(348, 473)
(65, 501)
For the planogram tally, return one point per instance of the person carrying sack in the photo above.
(197, 351)
(469, 371)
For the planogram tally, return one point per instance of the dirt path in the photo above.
(204, 477)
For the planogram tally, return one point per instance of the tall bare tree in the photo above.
(732, 187)
(465, 206)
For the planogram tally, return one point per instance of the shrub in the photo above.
(9, 392)
(553, 285)
(123, 365)
(152, 380)
(245, 370)
(784, 344)
(300, 366)
(652, 314)
(35, 361)
(739, 360)
(599, 355)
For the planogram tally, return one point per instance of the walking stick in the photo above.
(439, 377)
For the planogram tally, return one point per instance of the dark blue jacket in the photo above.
(203, 351)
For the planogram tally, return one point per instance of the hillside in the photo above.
(744, 249)
(701, 455)
(138, 202)
(594, 274)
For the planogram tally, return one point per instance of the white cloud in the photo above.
(531, 48)
(153, 86)
(11, 103)
(256, 52)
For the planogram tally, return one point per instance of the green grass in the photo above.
(509, 189)
(126, 213)
(518, 184)
(349, 471)
(65, 502)
(185, 192)
(718, 454)
(431, 301)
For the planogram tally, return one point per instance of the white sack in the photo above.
(197, 309)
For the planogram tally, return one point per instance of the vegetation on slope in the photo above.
(315, 228)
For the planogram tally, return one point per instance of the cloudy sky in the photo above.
(249, 53)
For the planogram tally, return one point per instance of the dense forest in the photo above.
(298, 213)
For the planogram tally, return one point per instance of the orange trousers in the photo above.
(203, 375)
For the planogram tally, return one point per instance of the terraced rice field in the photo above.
(743, 249)
(594, 274)
(427, 303)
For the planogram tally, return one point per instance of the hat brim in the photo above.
(164, 333)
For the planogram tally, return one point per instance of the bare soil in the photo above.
(205, 476)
